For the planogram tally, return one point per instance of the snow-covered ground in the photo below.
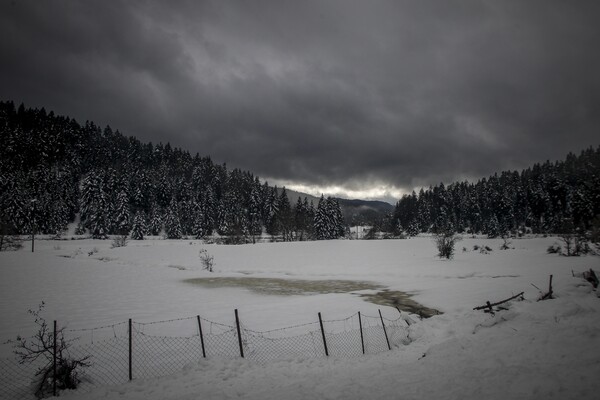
(546, 349)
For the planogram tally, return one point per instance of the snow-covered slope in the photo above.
(535, 350)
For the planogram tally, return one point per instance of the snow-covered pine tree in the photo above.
(413, 228)
(91, 187)
(98, 221)
(223, 218)
(328, 219)
(186, 217)
(321, 223)
(493, 229)
(197, 220)
(122, 214)
(271, 211)
(284, 216)
(138, 228)
(339, 227)
(310, 217)
(155, 225)
(300, 221)
(208, 206)
(254, 210)
(172, 223)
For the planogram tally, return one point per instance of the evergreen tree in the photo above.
(321, 222)
(328, 220)
(98, 221)
(122, 214)
(139, 226)
(284, 217)
(172, 222)
(198, 223)
(301, 219)
(254, 210)
(271, 208)
(156, 222)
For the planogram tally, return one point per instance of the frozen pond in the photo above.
(377, 294)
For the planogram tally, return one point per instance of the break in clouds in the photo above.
(347, 94)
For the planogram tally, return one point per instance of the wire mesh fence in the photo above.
(132, 350)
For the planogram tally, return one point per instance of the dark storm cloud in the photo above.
(346, 93)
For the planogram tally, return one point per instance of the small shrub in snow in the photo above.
(10, 243)
(119, 241)
(207, 260)
(445, 242)
(575, 241)
(482, 249)
(40, 347)
(80, 230)
(505, 244)
(573, 246)
(554, 249)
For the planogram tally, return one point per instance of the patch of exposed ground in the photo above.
(285, 286)
(276, 286)
(400, 300)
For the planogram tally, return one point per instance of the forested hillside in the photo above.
(546, 198)
(53, 169)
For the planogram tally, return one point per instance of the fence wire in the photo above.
(167, 347)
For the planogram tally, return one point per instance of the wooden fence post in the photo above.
(130, 350)
(201, 336)
(384, 331)
(239, 333)
(323, 333)
(362, 340)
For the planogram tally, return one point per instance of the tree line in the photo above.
(556, 197)
(54, 171)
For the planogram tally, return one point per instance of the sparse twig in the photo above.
(60, 370)
(207, 260)
(490, 305)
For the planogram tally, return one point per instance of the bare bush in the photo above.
(445, 242)
(506, 243)
(207, 260)
(120, 241)
(43, 345)
(554, 249)
(575, 241)
(10, 242)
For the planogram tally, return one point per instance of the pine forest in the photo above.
(55, 172)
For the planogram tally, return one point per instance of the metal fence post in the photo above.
(362, 340)
(201, 337)
(130, 351)
(384, 331)
(54, 362)
(323, 333)
(239, 332)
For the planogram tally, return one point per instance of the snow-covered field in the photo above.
(546, 349)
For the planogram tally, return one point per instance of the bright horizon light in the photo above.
(387, 193)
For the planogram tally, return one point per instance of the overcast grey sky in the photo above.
(369, 98)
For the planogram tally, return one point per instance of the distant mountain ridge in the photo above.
(355, 211)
